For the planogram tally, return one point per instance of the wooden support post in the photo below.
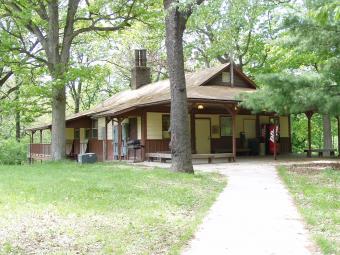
(107, 120)
(42, 146)
(119, 138)
(31, 145)
(257, 127)
(193, 134)
(144, 135)
(309, 117)
(234, 133)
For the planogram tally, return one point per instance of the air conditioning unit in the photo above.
(87, 158)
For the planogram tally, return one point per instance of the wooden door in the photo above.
(202, 136)
(249, 128)
(133, 129)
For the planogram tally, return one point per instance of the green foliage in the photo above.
(286, 93)
(12, 152)
(316, 193)
(305, 59)
(222, 27)
(101, 208)
(299, 132)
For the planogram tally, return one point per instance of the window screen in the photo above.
(226, 126)
(165, 126)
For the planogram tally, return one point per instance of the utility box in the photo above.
(87, 158)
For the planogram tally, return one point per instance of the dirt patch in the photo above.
(313, 168)
(51, 233)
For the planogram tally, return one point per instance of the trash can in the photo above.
(87, 158)
(262, 149)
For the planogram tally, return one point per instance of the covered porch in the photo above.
(218, 129)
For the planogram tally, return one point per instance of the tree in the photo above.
(176, 17)
(238, 27)
(53, 27)
(306, 57)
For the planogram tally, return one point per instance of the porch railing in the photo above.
(40, 150)
(43, 150)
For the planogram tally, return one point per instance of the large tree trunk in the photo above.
(58, 123)
(77, 97)
(17, 116)
(180, 134)
(17, 125)
(327, 134)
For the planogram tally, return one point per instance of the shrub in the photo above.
(12, 152)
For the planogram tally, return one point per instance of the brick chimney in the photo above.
(140, 73)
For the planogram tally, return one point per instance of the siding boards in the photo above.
(238, 81)
(157, 145)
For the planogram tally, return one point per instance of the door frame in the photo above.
(203, 118)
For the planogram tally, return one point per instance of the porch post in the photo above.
(309, 117)
(258, 128)
(41, 136)
(31, 141)
(119, 138)
(234, 133)
(32, 137)
(193, 134)
(31, 145)
(144, 135)
(105, 140)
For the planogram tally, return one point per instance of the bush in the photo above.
(12, 152)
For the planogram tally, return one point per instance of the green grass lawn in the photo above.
(65, 208)
(317, 194)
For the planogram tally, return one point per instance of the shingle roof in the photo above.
(159, 92)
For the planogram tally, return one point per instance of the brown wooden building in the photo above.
(141, 116)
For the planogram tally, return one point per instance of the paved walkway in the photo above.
(253, 215)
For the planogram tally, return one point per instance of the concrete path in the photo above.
(253, 215)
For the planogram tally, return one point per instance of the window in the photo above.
(94, 129)
(94, 133)
(77, 133)
(226, 125)
(87, 133)
(165, 126)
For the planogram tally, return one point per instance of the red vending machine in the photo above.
(267, 137)
(272, 134)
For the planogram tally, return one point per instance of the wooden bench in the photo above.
(210, 157)
(320, 152)
(163, 156)
(245, 151)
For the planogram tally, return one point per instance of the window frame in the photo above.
(231, 125)
(163, 128)
(77, 133)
